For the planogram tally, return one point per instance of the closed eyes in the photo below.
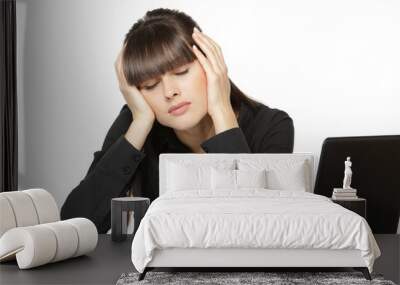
(150, 87)
(183, 72)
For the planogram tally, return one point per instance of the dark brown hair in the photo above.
(161, 41)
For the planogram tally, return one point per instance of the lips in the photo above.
(177, 106)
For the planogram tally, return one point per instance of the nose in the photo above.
(170, 87)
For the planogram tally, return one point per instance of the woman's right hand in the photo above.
(133, 97)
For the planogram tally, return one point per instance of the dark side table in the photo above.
(357, 205)
(120, 208)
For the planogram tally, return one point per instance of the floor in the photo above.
(389, 262)
(110, 259)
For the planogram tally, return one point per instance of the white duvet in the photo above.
(250, 218)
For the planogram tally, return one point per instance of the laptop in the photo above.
(376, 175)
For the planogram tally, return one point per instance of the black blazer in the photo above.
(119, 167)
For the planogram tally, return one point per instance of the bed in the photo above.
(247, 210)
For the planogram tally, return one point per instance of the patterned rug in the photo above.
(229, 278)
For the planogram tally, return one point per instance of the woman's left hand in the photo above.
(218, 85)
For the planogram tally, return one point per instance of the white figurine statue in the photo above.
(347, 174)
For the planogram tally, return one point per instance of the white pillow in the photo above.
(235, 179)
(251, 178)
(183, 178)
(282, 174)
(184, 174)
(223, 179)
(289, 179)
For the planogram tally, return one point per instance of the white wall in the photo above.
(334, 66)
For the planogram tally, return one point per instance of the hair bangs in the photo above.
(154, 51)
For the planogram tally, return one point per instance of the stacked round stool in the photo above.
(31, 231)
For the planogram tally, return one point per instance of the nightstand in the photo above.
(357, 205)
(120, 208)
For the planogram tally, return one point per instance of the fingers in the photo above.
(203, 61)
(221, 60)
(208, 49)
(119, 70)
(217, 49)
(212, 50)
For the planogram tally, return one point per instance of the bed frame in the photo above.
(241, 259)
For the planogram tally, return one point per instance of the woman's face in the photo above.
(185, 83)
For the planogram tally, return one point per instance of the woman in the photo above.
(165, 64)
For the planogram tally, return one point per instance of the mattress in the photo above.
(250, 218)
